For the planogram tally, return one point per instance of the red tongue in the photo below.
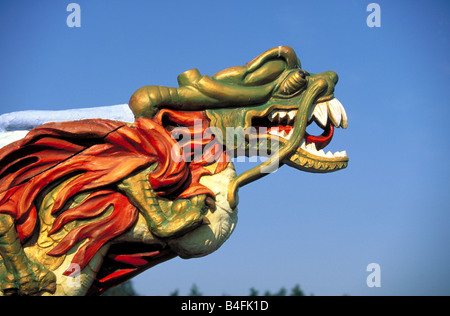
(323, 140)
(281, 128)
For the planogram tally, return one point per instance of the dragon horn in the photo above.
(285, 52)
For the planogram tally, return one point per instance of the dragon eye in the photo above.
(294, 83)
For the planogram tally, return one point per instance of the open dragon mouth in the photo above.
(310, 156)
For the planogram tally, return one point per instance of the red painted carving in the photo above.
(101, 153)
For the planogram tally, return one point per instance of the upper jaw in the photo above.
(326, 112)
(321, 113)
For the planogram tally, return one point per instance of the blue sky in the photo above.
(390, 206)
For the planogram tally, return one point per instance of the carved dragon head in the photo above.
(122, 178)
(272, 100)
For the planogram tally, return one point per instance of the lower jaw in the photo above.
(305, 161)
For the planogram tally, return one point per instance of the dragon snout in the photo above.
(327, 81)
(334, 78)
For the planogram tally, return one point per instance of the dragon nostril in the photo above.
(302, 73)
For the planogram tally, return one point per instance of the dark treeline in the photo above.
(126, 289)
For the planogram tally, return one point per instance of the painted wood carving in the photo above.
(86, 205)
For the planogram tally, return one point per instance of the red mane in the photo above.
(100, 153)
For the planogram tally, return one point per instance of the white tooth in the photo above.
(334, 109)
(283, 134)
(272, 116)
(290, 133)
(311, 147)
(282, 115)
(343, 153)
(292, 114)
(344, 121)
(336, 101)
(321, 153)
(321, 114)
(339, 154)
(303, 144)
(329, 154)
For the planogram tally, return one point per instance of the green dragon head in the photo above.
(271, 100)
